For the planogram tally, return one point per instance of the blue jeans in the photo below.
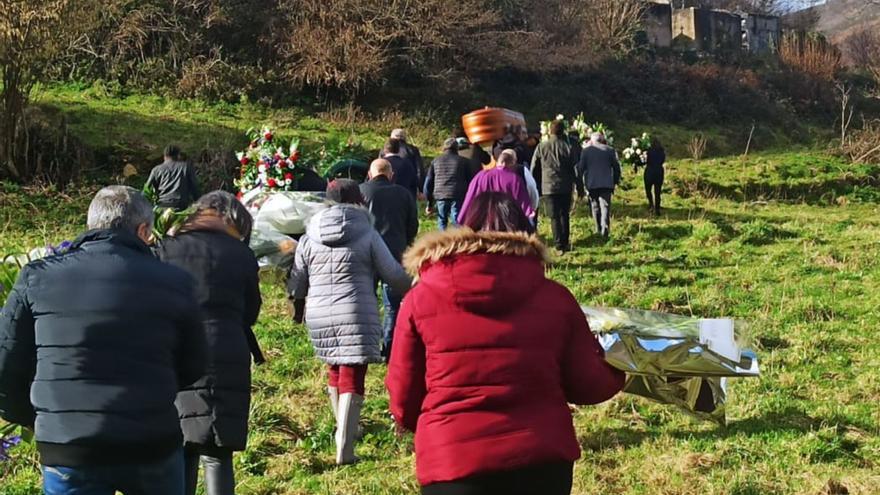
(391, 301)
(164, 476)
(447, 212)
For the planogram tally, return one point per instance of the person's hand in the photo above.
(421, 196)
(429, 211)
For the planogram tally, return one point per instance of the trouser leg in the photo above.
(59, 480)
(391, 301)
(454, 210)
(546, 479)
(166, 477)
(442, 214)
(219, 474)
(648, 188)
(597, 210)
(352, 379)
(191, 471)
(658, 187)
(553, 213)
(565, 221)
(605, 212)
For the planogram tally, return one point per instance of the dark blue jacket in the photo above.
(94, 346)
(395, 211)
(405, 174)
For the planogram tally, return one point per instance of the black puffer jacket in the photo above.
(102, 337)
(214, 410)
(448, 177)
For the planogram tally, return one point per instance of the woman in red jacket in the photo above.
(488, 353)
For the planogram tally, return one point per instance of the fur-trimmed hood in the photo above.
(482, 272)
(438, 245)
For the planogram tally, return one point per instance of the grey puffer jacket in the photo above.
(336, 266)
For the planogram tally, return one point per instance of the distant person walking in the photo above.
(335, 268)
(600, 170)
(212, 247)
(506, 178)
(410, 153)
(405, 172)
(447, 184)
(174, 182)
(397, 220)
(654, 174)
(489, 354)
(95, 344)
(554, 165)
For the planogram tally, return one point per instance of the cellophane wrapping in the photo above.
(280, 218)
(678, 360)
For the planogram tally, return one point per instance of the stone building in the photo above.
(706, 30)
(761, 33)
(679, 25)
(658, 24)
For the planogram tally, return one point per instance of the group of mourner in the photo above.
(130, 357)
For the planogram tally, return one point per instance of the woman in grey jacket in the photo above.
(336, 266)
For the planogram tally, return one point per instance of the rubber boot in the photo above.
(347, 419)
(333, 393)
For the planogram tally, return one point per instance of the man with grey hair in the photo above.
(95, 343)
(600, 170)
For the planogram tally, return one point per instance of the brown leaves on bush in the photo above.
(810, 54)
(353, 43)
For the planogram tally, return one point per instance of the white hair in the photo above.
(596, 137)
(119, 207)
(507, 159)
(398, 134)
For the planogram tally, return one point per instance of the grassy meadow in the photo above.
(788, 241)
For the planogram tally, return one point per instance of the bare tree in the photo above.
(31, 35)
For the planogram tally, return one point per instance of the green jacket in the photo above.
(553, 166)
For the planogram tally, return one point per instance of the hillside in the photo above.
(839, 18)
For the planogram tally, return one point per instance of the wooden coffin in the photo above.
(485, 126)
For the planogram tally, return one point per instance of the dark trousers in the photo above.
(652, 191)
(600, 203)
(559, 211)
(544, 479)
(219, 472)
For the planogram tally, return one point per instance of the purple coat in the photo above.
(498, 180)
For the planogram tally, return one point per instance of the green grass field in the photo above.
(788, 242)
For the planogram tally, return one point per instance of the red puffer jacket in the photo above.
(487, 354)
